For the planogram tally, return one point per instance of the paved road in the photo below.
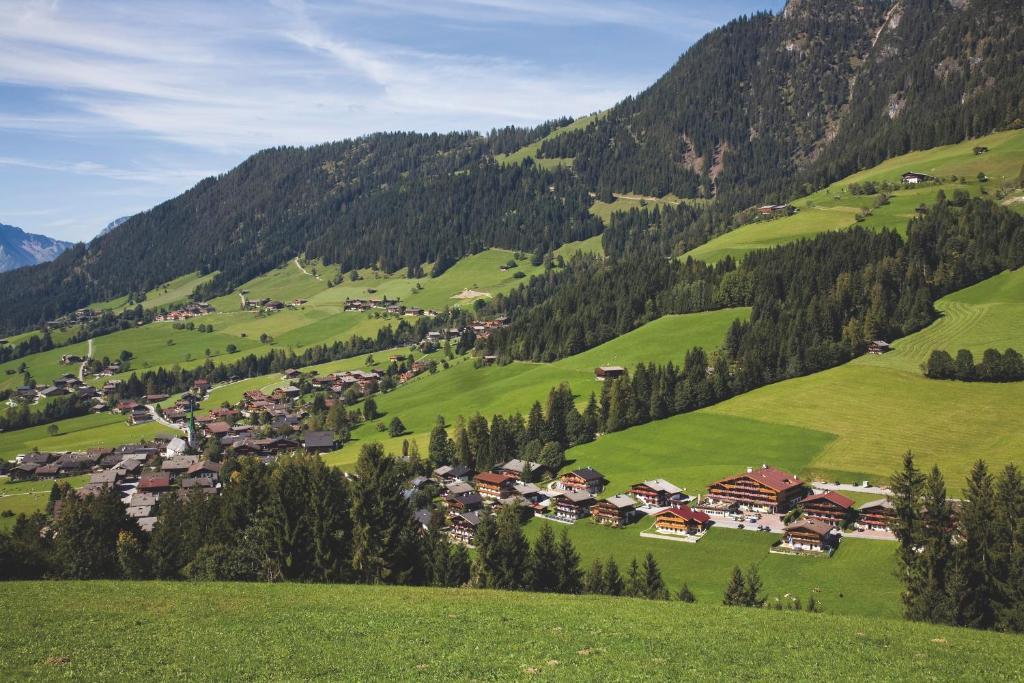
(158, 418)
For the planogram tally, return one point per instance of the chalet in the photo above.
(617, 511)
(878, 347)
(446, 474)
(494, 485)
(177, 466)
(50, 471)
(457, 488)
(465, 502)
(517, 467)
(50, 392)
(608, 372)
(830, 507)
(147, 499)
(463, 527)
(765, 490)
(681, 520)
(318, 442)
(574, 505)
(586, 479)
(70, 358)
(773, 210)
(204, 469)
(658, 493)
(273, 305)
(812, 534)
(531, 494)
(913, 178)
(218, 429)
(203, 484)
(139, 415)
(125, 407)
(878, 515)
(151, 482)
(23, 472)
(201, 385)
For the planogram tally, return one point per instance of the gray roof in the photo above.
(621, 501)
(318, 439)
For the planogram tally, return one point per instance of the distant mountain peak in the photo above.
(19, 248)
(113, 224)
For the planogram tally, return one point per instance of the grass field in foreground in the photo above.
(859, 579)
(214, 632)
(834, 208)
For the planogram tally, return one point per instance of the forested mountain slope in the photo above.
(761, 108)
(767, 103)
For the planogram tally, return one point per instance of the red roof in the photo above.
(218, 428)
(774, 479)
(687, 513)
(494, 479)
(832, 497)
(155, 480)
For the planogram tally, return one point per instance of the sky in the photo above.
(109, 108)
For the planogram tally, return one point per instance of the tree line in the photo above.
(961, 562)
(993, 367)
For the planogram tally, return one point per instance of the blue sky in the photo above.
(108, 108)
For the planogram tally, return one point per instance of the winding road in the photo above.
(81, 368)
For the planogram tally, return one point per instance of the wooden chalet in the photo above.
(765, 490)
(26, 471)
(878, 515)
(318, 441)
(585, 479)
(830, 507)
(517, 467)
(448, 474)
(682, 520)
(773, 210)
(658, 493)
(471, 501)
(495, 485)
(462, 528)
(878, 347)
(810, 534)
(574, 505)
(617, 511)
(608, 372)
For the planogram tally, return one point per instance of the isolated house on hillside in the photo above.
(914, 178)
(605, 372)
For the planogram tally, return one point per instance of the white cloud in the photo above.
(168, 175)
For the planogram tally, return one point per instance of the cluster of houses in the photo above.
(190, 310)
(82, 315)
(393, 306)
(365, 382)
(776, 210)
(573, 496)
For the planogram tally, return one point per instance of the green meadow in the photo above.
(835, 208)
(206, 632)
(465, 389)
(530, 151)
(28, 497)
(859, 579)
(43, 367)
(168, 294)
(77, 433)
(623, 203)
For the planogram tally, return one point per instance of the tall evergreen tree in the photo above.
(736, 591)
(976, 596)
(613, 583)
(654, 585)
(546, 563)
(594, 582)
(570, 576)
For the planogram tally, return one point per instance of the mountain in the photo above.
(113, 224)
(765, 108)
(19, 248)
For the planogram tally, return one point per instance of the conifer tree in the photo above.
(976, 595)
(613, 583)
(546, 562)
(653, 585)
(634, 582)
(594, 582)
(685, 594)
(736, 591)
(753, 597)
(570, 575)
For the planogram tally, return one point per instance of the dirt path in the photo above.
(81, 368)
(641, 197)
(299, 266)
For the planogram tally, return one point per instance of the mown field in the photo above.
(77, 433)
(28, 497)
(835, 208)
(168, 294)
(530, 151)
(157, 631)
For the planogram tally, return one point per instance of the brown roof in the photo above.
(832, 497)
(813, 525)
(494, 479)
(687, 513)
(218, 428)
(774, 479)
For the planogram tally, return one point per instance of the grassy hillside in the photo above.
(835, 208)
(207, 631)
(77, 433)
(174, 292)
(465, 389)
(28, 497)
(530, 151)
(851, 422)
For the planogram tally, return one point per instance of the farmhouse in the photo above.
(470, 501)
(574, 505)
(608, 372)
(617, 511)
(447, 474)
(766, 490)
(813, 535)
(657, 493)
(878, 347)
(914, 178)
(878, 515)
(830, 507)
(586, 479)
(776, 210)
(318, 442)
(681, 520)
(494, 485)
